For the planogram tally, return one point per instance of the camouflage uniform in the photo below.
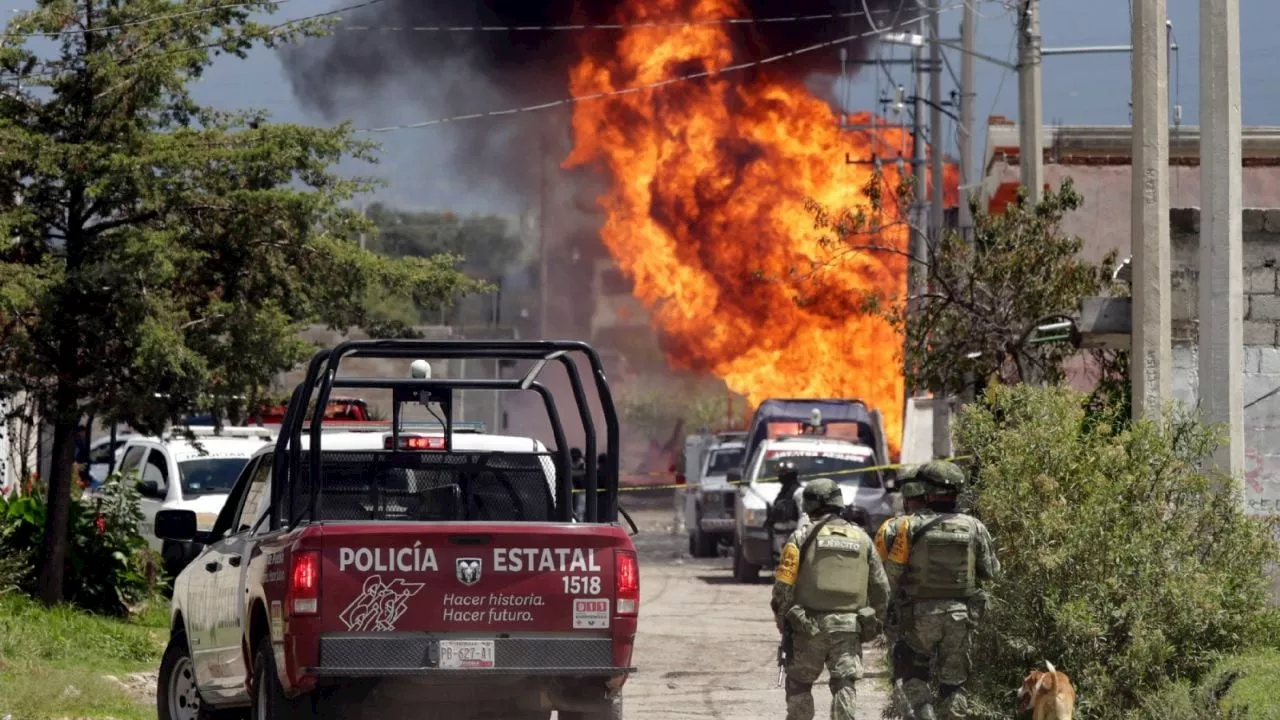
(824, 637)
(941, 603)
(913, 494)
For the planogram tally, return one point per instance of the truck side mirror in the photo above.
(149, 488)
(176, 525)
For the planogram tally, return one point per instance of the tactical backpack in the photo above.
(834, 578)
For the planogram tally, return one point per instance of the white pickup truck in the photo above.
(709, 497)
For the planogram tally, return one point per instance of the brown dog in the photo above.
(1049, 695)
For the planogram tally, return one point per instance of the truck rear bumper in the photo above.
(716, 525)
(411, 654)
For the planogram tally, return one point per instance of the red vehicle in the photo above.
(342, 409)
(418, 567)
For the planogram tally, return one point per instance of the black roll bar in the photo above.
(287, 458)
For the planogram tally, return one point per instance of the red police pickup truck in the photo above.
(422, 566)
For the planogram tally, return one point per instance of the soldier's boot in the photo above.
(799, 700)
(953, 702)
(925, 712)
(844, 698)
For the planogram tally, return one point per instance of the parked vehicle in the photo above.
(840, 439)
(176, 472)
(413, 565)
(100, 456)
(709, 498)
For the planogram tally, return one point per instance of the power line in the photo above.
(206, 46)
(613, 26)
(640, 88)
(160, 17)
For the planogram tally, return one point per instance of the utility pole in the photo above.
(968, 171)
(542, 234)
(1221, 308)
(941, 400)
(1151, 370)
(1030, 104)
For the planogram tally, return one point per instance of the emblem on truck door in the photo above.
(468, 571)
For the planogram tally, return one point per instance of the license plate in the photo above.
(466, 654)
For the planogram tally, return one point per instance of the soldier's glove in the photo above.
(869, 625)
(978, 607)
(801, 623)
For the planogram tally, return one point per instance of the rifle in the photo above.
(899, 659)
(785, 649)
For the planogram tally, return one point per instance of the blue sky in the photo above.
(1077, 88)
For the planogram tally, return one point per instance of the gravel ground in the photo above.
(707, 645)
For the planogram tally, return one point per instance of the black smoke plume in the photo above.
(404, 76)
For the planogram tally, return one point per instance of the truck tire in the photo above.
(613, 712)
(743, 571)
(269, 701)
(177, 697)
(702, 544)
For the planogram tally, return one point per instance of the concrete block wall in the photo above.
(1261, 340)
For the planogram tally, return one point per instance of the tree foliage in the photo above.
(1124, 562)
(484, 242)
(980, 297)
(157, 256)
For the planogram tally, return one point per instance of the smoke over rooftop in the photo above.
(405, 76)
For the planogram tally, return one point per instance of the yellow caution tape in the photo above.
(855, 471)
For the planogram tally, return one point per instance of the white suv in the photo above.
(177, 473)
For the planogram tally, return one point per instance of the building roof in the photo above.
(1097, 158)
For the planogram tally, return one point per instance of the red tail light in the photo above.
(415, 442)
(304, 583)
(627, 574)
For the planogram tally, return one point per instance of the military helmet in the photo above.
(822, 492)
(787, 471)
(914, 489)
(943, 475)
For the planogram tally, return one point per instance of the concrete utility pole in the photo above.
(1221, 308)
(1151, 374)
(543, 295)
(968, 173)
(920, 217)
(1030, 101)
(941, 402)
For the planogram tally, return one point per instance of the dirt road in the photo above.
(707, 645)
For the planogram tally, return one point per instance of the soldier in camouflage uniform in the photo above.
(913, 501)
(938, 559)
(831, 591)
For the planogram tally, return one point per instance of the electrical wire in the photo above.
(149, 19)
(488, 28)
(659, 25)
(206, 46)
(638, 88)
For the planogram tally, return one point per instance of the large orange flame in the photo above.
(706, 211)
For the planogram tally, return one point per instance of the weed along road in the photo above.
(707, 645)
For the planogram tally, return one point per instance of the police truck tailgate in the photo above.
(467, 586)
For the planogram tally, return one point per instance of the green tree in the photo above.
(152, 246)
(980, 298)
(485, 242)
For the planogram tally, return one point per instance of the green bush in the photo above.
(109, 567)
(1127, 561)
